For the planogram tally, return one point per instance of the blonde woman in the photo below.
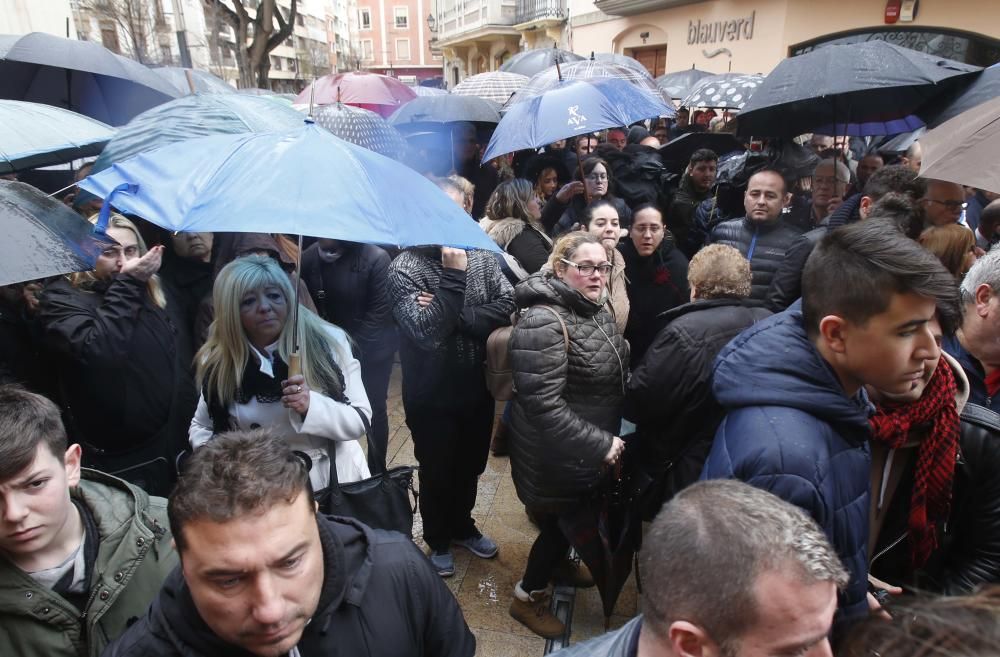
(123, 388)
(242, 373)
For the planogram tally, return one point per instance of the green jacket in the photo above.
(134, 557)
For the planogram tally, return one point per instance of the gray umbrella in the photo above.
(204, 82)
(42, 237)
(36, 135)
(531, 62)
(78, 75)
(445, 109)
(679, 83)
(362, 127)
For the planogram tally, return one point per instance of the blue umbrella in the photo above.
(570, 108)
(37, 135)
(203, 81)
(303, 181)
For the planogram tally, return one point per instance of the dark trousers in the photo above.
(451, 446)
(547, 551)
(375, 374)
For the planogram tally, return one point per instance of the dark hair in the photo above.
(649, 206)
(589, 164)
(588, 212)
(703, 155)
(27, 419)
(894, 178)
(235, 474)
(784, 180)
(990, 216)
(902, 210)
(855, 270)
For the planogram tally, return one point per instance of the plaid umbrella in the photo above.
(723, 91)
(497, 86)
(429, 91)
(362, 127)
(586, 70)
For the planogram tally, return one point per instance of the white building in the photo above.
(49, 16)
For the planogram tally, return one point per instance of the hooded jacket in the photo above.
(134, 556)
(680, 215)
(764, 244)
(379, 598)
(525, 242)
(567, 404)
(791, 430)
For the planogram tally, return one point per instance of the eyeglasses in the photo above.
(953, 206)
(588, 270)
(596, 177)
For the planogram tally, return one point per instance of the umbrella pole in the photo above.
(586, 194)
(190, 80)
(294, 361)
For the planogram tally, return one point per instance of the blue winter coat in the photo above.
(790, 429)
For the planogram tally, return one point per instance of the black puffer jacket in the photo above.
(968, 552)
(670, 393)
(773, 240)
(567, 406)
(379, 598)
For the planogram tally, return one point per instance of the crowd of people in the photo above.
(800, 359)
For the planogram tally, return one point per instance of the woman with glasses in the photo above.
(600, 219)
(570, 364)
(656, 274)
(564, 210)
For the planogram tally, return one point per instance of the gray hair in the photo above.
(985, 271)
(708, 545)
(842, 172)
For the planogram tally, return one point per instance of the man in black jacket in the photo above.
(262, 574)
(695, 187)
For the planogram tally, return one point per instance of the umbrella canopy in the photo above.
(678, 84)
(204, 82)
(430, 110)
(871, 82)
(42, 237)
(986, 87)
(619, 60)
(78, 75)
(963, 149)
(531, 62)
(497, 86)
(196, 116)
(570, 108)
(36, 135)
(380, 93)
(676, 153)
(281, 182)
(723, 91)
(362, 127)
(429, 91)
(586, 70)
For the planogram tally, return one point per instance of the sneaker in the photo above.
(443, 563)
(479, 545)
(532, 611)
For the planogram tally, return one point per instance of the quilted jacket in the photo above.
(770, 241)
(567, 405)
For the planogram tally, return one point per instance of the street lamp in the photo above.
(431, 23)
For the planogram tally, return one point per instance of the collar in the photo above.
(266, 358)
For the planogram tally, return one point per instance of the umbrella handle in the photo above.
(294, 364)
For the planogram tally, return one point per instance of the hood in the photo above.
(502, 231)
(773, 363)
(544, 288)
(347, 563)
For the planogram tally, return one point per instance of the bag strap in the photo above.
(334, 482)
(562, 324)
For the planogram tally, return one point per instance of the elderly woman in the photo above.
(511, 221)
(244, 380)
(570, 365)
(124, 391)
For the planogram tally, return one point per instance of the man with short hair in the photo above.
(728, 569)
(797, 415)
(761, 236)
(617, 138)
(913, 157)
(943, 202)
(987, 232)
(583, 147)
(82, 553)
(976, 345)
(829, 183)
(262, 574)
(868, 165)
(682, 123)
(695, 186)
(976, 202)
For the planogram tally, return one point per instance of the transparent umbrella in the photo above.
(36, 135)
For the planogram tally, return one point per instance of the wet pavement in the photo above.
(484, 587)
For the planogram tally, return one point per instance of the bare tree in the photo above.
(314, 60)
(141, 21)
(256, 36)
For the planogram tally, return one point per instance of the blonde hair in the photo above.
(567, 246)
(222, 359)
(719, 271)
(86, 279)
(951, 244)
(467, 188)
(510, 199)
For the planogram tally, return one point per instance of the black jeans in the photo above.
(375, 374)
(451, 446)
(547, 551)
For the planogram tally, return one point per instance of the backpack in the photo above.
(499, 374)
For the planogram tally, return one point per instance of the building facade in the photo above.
(49, 16)
(752, 36)
(394, 38)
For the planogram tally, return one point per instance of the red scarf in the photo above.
(992, 382)
(936, 455)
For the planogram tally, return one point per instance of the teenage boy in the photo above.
(797, 415)
(82, 554)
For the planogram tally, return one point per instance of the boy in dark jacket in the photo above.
(797, 421)
(262, 574)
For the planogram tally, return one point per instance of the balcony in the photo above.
(463, 19)
(633, 7)
(531, 11)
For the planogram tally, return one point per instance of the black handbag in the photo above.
(381, 502)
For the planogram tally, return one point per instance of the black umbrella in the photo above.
(531, 62)
(42, 237)
(429, 110)
(78, 75)
(679, 84)
(860, 83)
(985, 88)
(676, 153)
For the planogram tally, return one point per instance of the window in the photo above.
(367, 51)
(366, 19)
(109, 37)
(276, 63)
(402, 17)
(402, 48)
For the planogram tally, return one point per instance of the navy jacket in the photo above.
(791, 430)
(978, 394)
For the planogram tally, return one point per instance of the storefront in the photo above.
(752, 36)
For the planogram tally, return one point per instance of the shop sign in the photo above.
(721, 31)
